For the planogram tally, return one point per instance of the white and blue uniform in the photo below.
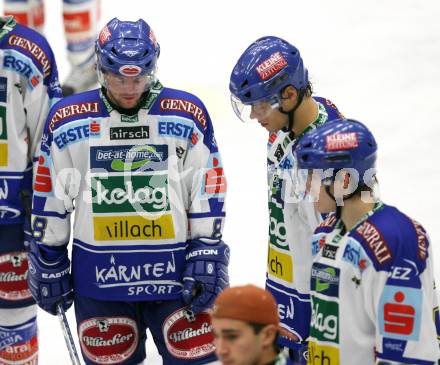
(292, 222)
(28, 88)
(142, 185)
(372, 292)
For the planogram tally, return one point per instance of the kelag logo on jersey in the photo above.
(277, 227)
(325, 279)
(324, 324)
(130, 194)
(175, 127)
(76, 132)
(356, 255)
(129, 158)
(400, 310)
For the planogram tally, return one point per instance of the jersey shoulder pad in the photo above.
(76, 107)
(389, 237)
(331, 109)
(183, 104)
(33, 45)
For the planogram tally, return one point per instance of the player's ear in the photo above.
(268, 334)
(289, 93)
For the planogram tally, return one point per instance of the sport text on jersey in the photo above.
(34, 50)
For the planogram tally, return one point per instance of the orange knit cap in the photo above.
(249, 303)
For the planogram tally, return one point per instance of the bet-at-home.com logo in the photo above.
(324, 325)
(121, 194)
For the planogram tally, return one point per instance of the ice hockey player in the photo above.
(80, 19)
(28, 87)
(140, 164)
(246, 327)
(372, 284)
(270, 84)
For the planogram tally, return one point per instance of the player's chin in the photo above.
(128, 102)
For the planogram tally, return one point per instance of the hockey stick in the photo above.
(67, 335)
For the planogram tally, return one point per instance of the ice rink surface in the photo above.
(377, 60)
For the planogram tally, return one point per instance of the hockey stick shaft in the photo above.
(68, 335)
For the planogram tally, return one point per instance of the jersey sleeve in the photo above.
(401, 303)
(205, 181)
(56, 185)
(37, 103)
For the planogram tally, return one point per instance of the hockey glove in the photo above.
(49, 281)
(206, 273)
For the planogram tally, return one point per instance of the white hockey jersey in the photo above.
(292, 222)
(372, 292)
(142, 186)
(28, 88)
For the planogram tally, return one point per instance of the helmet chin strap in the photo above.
(291, 113)
(346, 197)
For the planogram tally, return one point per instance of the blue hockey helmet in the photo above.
(265, 68)
(339, 144)
(127, 48)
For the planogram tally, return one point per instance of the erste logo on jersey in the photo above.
(271, 66)
(130, 70)
(356, 255)
(43, 179)
(188, 336)
(341, 141)
(108, 340)
(400, 312)
(13, 277)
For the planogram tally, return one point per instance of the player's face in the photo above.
(236, 342)
(324, 203)
(126, 91)
(269, 118)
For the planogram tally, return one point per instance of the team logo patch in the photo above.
(341, 141)
(108, 340)
(188, 336)
(130, 70)
(13, 277)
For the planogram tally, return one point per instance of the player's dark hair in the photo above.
(257, 328)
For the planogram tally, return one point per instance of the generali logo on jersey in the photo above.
(186, 107)
(375, 241)
(71, 110)
(271, 66)
(13, 277)
(34, 50)
(109, 340)
(341, 141)
(188, 336)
